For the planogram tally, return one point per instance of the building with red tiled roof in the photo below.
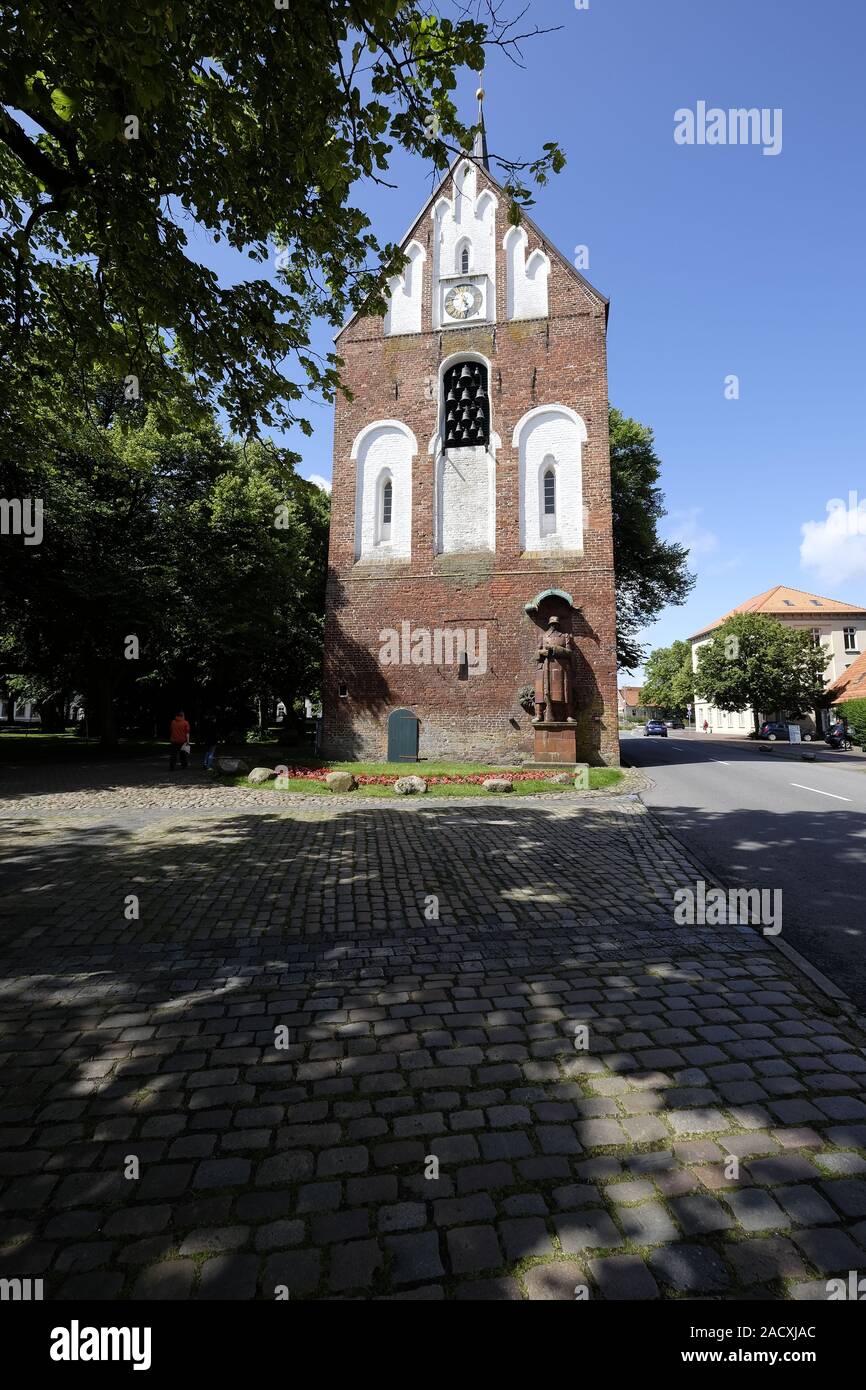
(851, 685)
(838, 626)
(630, 706)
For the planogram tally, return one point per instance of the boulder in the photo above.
(232, 765)
(410, 786)
(497, 784)
(340, 782)
(261, 774)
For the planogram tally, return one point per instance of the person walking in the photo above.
(179, 737)
(706, 726)
(210, 739)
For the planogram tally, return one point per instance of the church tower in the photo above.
(471, 495)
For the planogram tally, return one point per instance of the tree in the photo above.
(650, 572)
(125, 128)
(668, 678)
(755, 660)
(176, 566)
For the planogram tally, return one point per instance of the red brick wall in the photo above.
(561, 360)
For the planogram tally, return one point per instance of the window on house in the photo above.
(387, 494)
(816, 636)
(464, 261)
(850, 639)
(788, 602)
(816, 603)
(467, 406)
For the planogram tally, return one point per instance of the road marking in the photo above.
(720, 762)
(818, 792)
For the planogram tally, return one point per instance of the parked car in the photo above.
(675, 724)
(773, 731)
(655, 726)
(837, 737)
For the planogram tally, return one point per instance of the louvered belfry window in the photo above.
(467, 406)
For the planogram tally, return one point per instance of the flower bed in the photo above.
(387, 779)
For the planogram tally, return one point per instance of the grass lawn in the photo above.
(599, 778)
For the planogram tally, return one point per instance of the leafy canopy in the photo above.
(650, 572)
(211, 555)
(753, 659)
(123, 126)
(668, 678)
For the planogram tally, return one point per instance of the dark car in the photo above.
(837, 736)
(675, 724)
(774, 731)
(655, 726)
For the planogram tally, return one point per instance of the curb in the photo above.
(812, 973)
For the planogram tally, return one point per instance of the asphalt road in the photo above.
(772, 820)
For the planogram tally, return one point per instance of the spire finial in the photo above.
(479, 149)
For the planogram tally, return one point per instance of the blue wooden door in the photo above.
(402, 737)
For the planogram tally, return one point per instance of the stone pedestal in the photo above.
(555, 743)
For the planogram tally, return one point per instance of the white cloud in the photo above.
(685, 528)
(835, 549)
(323, 483)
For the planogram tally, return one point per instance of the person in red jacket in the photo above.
(179, 740)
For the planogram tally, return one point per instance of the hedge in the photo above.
(854, 712)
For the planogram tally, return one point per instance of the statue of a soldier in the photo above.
(554, 676)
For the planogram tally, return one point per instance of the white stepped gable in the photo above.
(406, 294)
(383, 454)
(550, 440)
(527, 277)
(464, 235)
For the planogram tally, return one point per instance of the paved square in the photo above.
(333, 1054)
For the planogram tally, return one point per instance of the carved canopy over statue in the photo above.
(554, 676)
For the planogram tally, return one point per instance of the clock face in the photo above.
(462, 301)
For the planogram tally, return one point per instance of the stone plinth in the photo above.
(555, 743)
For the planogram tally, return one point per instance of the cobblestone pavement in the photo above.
(709, 1142)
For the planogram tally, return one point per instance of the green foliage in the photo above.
(129, 132)
(668, 680)
(171, 539)
(650, 572)
(753, 659)
(854, 713)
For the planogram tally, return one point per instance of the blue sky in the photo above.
(718, 260)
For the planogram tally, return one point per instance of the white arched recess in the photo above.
(551, 436)
(383, 452)
(526, 277)
(465, 479)
(406, 294)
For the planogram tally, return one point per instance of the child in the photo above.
(210, 738)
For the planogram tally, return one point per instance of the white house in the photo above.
(839, 627)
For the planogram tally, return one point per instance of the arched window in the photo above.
(548, 496)
(550, 493)
(384, 509)
(464, 261)
(467, 406)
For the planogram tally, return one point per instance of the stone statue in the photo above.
(554, 676)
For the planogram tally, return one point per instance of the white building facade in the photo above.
(840, 628)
